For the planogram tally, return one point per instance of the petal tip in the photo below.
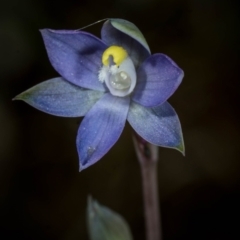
(81, 166)
(16, 98)
(181, 148)
(43, 30)
(22, 96)
(47, 31)
(181, 75)
(86, 161)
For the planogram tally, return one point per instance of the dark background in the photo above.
(42, 194)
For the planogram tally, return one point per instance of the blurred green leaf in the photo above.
(105, 224)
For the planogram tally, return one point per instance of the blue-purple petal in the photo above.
(157, 79)
(158, 125)
(118, 32)
(76, 56)
(101, 128)
(60, 98)
(130, 29)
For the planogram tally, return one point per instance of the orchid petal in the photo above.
(60, 98)
(123, 33)
(158, 125)
(101, 128)
(130, 29)
(158, 77)
(76, 56)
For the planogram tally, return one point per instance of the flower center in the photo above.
(120, 81)
(118, 71)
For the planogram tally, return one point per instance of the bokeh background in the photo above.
(42, 194)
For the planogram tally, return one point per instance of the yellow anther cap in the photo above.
(119, 54)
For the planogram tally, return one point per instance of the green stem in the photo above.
(148, 156)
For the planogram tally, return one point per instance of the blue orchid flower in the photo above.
(109, 80)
